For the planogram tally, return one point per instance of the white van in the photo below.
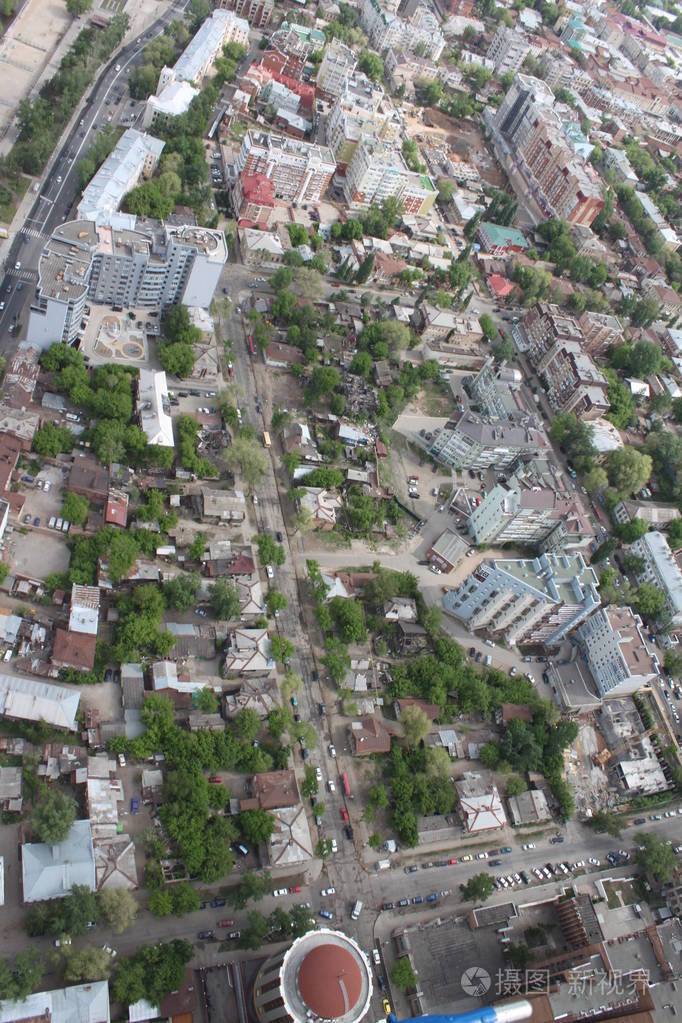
(356, 911)
(488, 660)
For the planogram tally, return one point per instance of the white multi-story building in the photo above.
(299, 171)
(385, 29)
(468, 441)
(523, 601)
(136, 154)
(150, 264)
(177, 85)
(378, 171)
(154, 408)
(662, 571)
(338, 64)
(361, 111)
(613, 643)
(508, 50)
(522, 512)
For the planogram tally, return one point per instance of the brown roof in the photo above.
(330, 981)
(285, 353)
(9, 452)
(369, 736)
(510, 711)
(432, 710)
(242, 565)
(275, 789)
(73, 650)
(87, 474)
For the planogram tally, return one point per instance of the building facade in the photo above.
(470, 442)
(299, 171)
(535, 600)
(612, 641)
(257, 12)
(135, 155)
(526, 514)
(508, 50)
(152, 265)
(662, 571)
(378, 172)
(337, 65)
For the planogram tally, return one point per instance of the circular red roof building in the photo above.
(324, 975)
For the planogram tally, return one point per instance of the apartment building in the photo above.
(529, 134)
(299, 171)
(468, 441)
(402, 68)
(362, 110)
(178, 85)
(152, 265)
(543, 327)
(378, 171)
(338, 64)
(616, 161)
(574, 382)
(523, 601)
(135, 155)
(253, 198)
(600, 332)
(523, 512)
(385, 29)
(662, 571)
(257, 12)
(612, 642)
(508, 50)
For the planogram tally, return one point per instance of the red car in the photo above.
(225, 923)
(293, 891)
(344, 813)
(215, 779)
(452, 861)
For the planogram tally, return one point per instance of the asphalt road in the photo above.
(59, 190)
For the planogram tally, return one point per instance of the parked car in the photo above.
(205, 935)
(134, 804)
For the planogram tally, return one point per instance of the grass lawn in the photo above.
(12, 191)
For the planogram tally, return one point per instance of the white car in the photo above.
(270, 571)
(376, 957)
(594, 861)
(121, 760)
(280, 891)
(328, 891)
(17, 265)
(529, 845)
(318, 773)
(107, 948)
(335, 847)
(332, 749)
(482, 856)
(331, 786)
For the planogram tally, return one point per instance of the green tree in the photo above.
(276, 601)
(75, 509)
(446, 190)
(673, 663)
(628, 470)
(478, 888)
(402, 974)
(20, 979)
(336, 659)
(282, 649)
(185, 899)
(649, 600)
(224, 600)
(78, 7)
(252, 887)
(606, 821)
(632, 530)
(291, 684)
(655, 856)
(256, 826)
(633, 563)
(53, 814)
(181, 591)
(596, 481)
(349, 619)
(161, 902)
(487, 325)
(255, 932)
(246, 457)
(416, 725)
(118, 907)
(177, 359)
(372, 65)
(152, 972)
(503, 350)
(365, 269)
(87, 964)
(50, 440)
(515, 785)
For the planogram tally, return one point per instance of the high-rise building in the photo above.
(336, 67)
(468, 441)
(362, 110)
(256, 12)
(533, 600)
(508, 50)
(300, 171)
(612, 640)
(324, 975)
(134, 155)
(151, 265)
(378, 171)
(530, 134)
(385, 29)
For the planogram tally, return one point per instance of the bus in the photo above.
(252, 350)
(266, 439)
(346, 786)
